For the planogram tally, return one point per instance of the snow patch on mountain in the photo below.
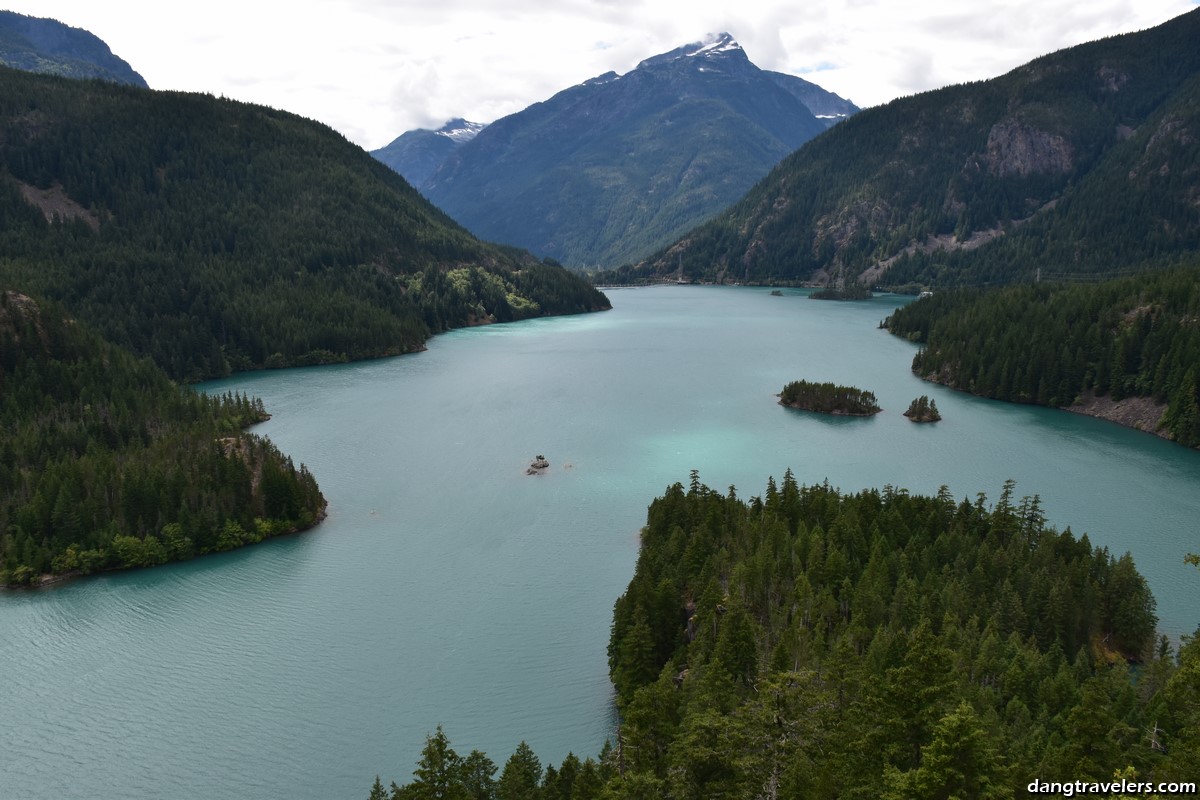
(600, 80)
(460, 131)
(713, 44)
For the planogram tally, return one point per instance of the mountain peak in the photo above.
(714, 45)
(460, 130)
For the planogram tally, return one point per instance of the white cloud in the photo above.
(375, 68)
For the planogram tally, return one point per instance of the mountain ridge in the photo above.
(37, 44)
(612, 167)
(969, 182)
(416, 154)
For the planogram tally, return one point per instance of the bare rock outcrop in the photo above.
(1016, 148)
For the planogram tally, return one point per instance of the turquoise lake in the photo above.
(448, 587)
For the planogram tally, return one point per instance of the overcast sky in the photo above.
(373, 69)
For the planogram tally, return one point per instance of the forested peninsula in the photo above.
(1133, 342)
(814, 643)
(106, 463)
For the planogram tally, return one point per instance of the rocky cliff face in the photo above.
(1015, 148)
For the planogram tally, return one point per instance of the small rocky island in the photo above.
(923, 410)
(828, 398)
(538, 466)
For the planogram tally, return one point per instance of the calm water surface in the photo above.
(447, 587)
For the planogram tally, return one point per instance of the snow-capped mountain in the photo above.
(715, 45)
(460, 131)
(609, 170)
(416, 154)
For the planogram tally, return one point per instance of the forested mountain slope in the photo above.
(47, 45)
(1083, 161)
(213, 235)
(105, 462)
(619, 165)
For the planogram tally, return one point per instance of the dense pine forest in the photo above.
(812, 643)
(106, 463)
(212, 235)
(829, 398)
(1052, 344)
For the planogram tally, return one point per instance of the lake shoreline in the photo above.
(1140, 414)
(59, 579)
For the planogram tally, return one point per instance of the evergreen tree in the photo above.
(478, 776)
(959, 762)
(522, 776)
(439, 773)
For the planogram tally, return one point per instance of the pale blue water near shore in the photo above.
(448, 587)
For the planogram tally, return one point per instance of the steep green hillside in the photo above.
(49, 46)
(1086, 160)
(105, 462)
(213, 235)
(611, 169)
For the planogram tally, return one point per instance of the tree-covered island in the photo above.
(922, 409)
(829, 398)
